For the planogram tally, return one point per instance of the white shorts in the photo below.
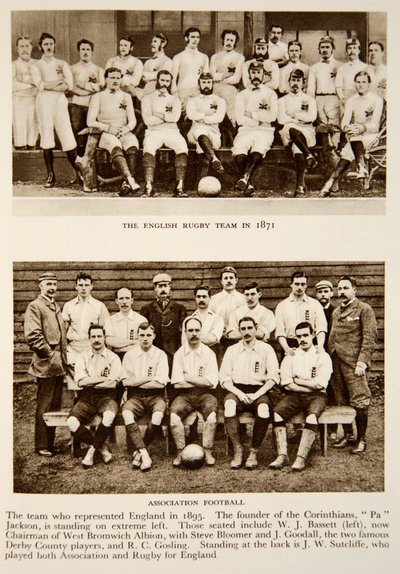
(25, 125)
(52, 113)
(212, 132)
(156, 138)
(253, 140)
(109, 142)
(366, 139)
(307, 131)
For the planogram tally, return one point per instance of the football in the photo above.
(193, 456)
(209, 186)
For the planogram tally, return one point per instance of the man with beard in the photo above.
(264, 318)
(226, 69)
(304, 377)
(212, 323)
(277, 50)
(206, 111)
(158, 61)
(166, 315)
(52, 108)
(271, 69)
(25, 83)
(194, 376)
(161, 110)
(111, 112)
(97, 373)
(45, 334)
(88, 79)
(249, 370)
(294, 49)
(351, 344)
(295, 309)
(360, 123)
(131, 68)
(256, 108)
(296, 113)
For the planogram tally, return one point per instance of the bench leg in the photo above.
(324, 439)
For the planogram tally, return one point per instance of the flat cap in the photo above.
(322, 284)
(353, 42)
(162, 278)
(260, 42)
(47, 275)
(228, 269)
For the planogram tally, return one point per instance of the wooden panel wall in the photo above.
(273, 278)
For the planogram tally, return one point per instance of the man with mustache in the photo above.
(294, 50)
(304, 377)
(212, 323)
(278, 50)
(45, 334)
(194, 376)
(351, 344)
(131, 68)
(249, 370)
(158, 61)
(271, 69)
(121, 327)
(264, 318)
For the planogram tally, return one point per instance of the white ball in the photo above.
(209, 186)
(193, 456)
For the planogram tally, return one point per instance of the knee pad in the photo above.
(175, 419)
(263, 411)
(157, 417)
(128, 417)
(312, 419)
(230, 408)
(108, 418)
(212, 417)
(73, 424)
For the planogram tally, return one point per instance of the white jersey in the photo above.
(186, 69)
(131, 69)
(88, 79)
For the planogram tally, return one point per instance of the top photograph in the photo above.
(175, 111)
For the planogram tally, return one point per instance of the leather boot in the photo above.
(49, 161)
(281, 448)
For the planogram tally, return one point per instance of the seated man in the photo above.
(296, 112)
(161, 110)
(195, 376)
(249, 370)
(145, 374)
(256, 108)
(360, 122)
(304, 376)
(97, 372)
(111, 112)
(131, 67)
(206, 111)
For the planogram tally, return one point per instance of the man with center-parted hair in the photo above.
(212, 323)
(158, 61)
(297, 112)
(277, 49)
(161, 111)
(264, 318)
(111, 112)
(194, 377)
(294, 50)
(97, 372)
(145, 375)
(131, 68)
(249, 370)
(296, 308)
(304, 377)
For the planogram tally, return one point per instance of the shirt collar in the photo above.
(293, 300)
(102, 354)
(187, 349)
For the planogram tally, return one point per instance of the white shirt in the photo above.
(290, 312)
(206, 109)
(168, 105)
(302, 105)
(141, 364)
(278, 51)
(224, 302)
(226, 67)
(25, 77)
(249, 365)
(271, 73)
(322, 77)
(307, 365)
(264, 318)
(90, 364)
(124, 326)
(365, 110)
(86, 75)
(211, 324)
(131, 69)
(81, 314)
(256, 108)
(186, 69)
(345, 82)
(285, 72)
(200, 362)
(54, 69)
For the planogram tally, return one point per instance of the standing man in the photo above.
(130, 67)
(249, 370)
(277, 50)
(161, 111)
(294, 49)
(305, 377)
(97, 373)
(212, 323)
(360, 123)
(256, 109)
(377, 69)
(158, 61)
(195, 377)
(145, 374)
(297, 112)
(345, 84)
(295, 309)
(206, 111)
(88, 79)
(45, 334)
(122, 327)
(52, 107)
(78, 314)
(324, 294)
(264, 318)
(25, 84)
(351, 344)
(166, 315)
(187, 67)
(271, 69)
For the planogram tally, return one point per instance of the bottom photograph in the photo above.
(198, 377)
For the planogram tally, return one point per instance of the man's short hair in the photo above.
(84, 41)
(22, 37)
(353, 42)
(295, 43)
(146, 325)
(127, 39)
(46, 36)
(83, 275)
(118, 290)
(276, 26)
(186, 321)
(256, 66)
(228, 269)
(202, 288)
(163, 73)
(363, 73)
(232, 32)
(304, 325)
(247, 318)
(162, 37)
(205, 76)
(252, 285)
(110, 70)
(377, 43)
(191, 30)
(297, 73)
(327, 40)
(297, 274)
(348, 278)
(94, 326)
